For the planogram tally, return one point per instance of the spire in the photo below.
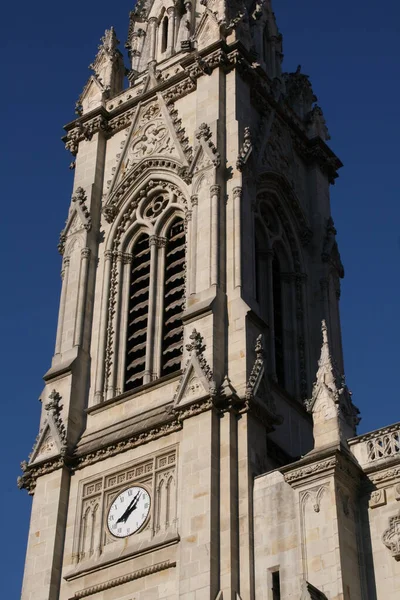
(335, 417)
(108, 74)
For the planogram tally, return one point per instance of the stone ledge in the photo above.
(115, 557)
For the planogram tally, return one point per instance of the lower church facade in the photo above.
(197, 438)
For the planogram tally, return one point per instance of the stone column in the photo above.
(60, 325)
(193, 246)
(123, 323)
(148, 373)
(99, 387)
(237, 206)
(171, 27)
(80, 315)
(215, 195)
(152, 37)
(161, 244)
(115, 329)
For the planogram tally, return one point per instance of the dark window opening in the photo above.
(276, 586)
(164, 34)
(278, 321)
(174, 299)
(138, 315)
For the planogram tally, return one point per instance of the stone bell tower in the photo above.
(198, 261)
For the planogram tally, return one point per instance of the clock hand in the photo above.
(124, 517)
(132, 506)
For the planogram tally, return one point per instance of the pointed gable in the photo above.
(155, 131)
(51, 440)
(197, 381)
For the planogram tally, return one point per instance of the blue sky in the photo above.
(351, 51)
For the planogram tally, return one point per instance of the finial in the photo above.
(324, 330)
(331, 400)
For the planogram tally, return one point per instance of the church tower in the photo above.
(198, 263)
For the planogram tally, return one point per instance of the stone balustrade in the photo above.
(377, 445)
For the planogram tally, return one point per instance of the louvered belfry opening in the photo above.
(174, 299)
(138, 314)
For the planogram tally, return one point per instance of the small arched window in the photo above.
(278, 320)
(138, 314)
(174, 298)
(164, 34)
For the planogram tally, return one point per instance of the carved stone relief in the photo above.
(378, 498)
(391, 537)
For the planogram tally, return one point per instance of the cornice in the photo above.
(332, 461)
(195, 65)
(101, 587)
(171, 422)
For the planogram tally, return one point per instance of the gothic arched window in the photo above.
(274, 291)
(154, 327)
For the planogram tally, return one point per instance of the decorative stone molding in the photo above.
(383, 476)
(330, 251)
(30, 474)
(245, 151)
(258, 369)
(316, 124)
(196, 382)
(391, 537)
(127, 444)
(237, 193)
(258, 396)
(84, 129)
(338, 464)
(310, 470)
(101, 587)
(116, 199)
(206, 154)
(314, 495)
(156, 130)
(80, 199)
(52, 438)
(78, 218)
(377, 498)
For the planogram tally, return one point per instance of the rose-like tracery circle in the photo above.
(155, 206)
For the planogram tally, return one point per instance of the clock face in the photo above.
(128, 511)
